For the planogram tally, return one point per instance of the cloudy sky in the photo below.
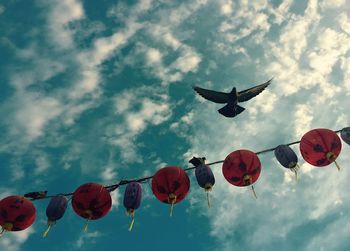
(98, 91)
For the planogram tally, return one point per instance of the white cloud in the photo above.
(2, 9)
(40, 69)
(87, 238)
(171, 41)
(264, 102)
(332, 4)
(5, 191)
(91, 60)
(344, 22)
(62, 13)
(14, 241)
(281, 13)
(33, 113)
(42, 164)
(188, 59)
(153, 56)
(182, 126)
(298, 46)
(331, 236)
(246, 20)
(108, 173)
(150, 111)
(187, 62)
(332, 45)
(73, 153)
(303, 119)
(142, 6)
(166, 32)
(177, 15)
(116, 197)
(226, 7)
(141, 108)
(345, 66)
(294, 38)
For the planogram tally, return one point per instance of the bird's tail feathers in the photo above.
(231, 111)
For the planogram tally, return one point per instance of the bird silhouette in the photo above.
(232, 98)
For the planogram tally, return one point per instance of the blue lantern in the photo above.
(345, 135)
(204, 175)
(287, 158)
(55, 211)
(132, 199)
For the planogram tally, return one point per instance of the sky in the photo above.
(99, 91)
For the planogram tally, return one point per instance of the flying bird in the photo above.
(232, 98)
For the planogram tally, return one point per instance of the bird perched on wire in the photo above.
(232, 98)
(36, 195)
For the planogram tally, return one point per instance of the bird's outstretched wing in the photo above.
(252, 92)
(217, 97)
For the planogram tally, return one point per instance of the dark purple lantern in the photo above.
(287, 158)
(55, 211)
(132, 199)
(204, 175)
(345, 135)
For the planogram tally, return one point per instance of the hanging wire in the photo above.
(113, 187)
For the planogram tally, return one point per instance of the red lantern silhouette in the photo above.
(242, 168)
(91, 201)
(16, 213)
(320, 147)
(170, 185)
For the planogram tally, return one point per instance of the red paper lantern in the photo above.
(170, 185)
(16, 213)
(242, 168)
(91, 201)
(320, 147)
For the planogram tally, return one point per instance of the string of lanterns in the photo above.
(170, 185)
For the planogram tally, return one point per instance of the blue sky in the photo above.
(101, 91)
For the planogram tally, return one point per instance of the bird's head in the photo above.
(234, 90)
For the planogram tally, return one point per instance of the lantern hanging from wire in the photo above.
(320, 147)
(170, 185)
(132, 200)
(91, 201)
(287, 158)
(345, 135)
(55, 211)
(204, 175)
(16, 213)
(242, 168)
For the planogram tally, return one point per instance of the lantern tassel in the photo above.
(208, 199)
(2, 232)
(132, 221)
(254, 192)
(6, 227)
(85, 229)
(295, 170)
(49, 225)
(296, 175)
(332, 157)
(172, 199)
(171, 209)
(337, 165)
